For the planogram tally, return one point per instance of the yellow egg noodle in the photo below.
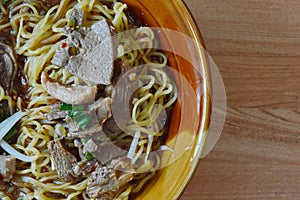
(38, 36)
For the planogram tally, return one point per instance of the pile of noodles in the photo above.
(39, 33)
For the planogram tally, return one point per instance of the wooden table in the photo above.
(256, 46)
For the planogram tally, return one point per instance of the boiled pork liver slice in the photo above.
(93, 60)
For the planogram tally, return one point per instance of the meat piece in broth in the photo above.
(55, 113)
(107, 150)
(102, 108)
(96, 129)
(71, 124)
(99, 112)
(105, 182)
(111, 128)
(8, 66)
(63, 159)
(72, 95)
(77, 15)
(7, 167)
(85, 167)
(89, 53)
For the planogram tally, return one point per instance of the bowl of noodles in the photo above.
(113, 99)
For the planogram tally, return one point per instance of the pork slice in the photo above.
(77, 14)
(102, 108)
(108, 150)
(89, 53)
(72, 95)
(91, 146)
(106, 182)
(68, 55)
(99, 59)
(56, 115)
(61, 56)
(122, 96)
(111, 128)
(7, 167)
(85, 167)
(8, 67)
(63, 159)
(71, 125)
(86, 133)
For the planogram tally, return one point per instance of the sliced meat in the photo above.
(90, 146)
(107, 151)
(85, 167)
(72, 95)
(61, 56)
(63, 159)
(89, 53)
(86, 133)
(122, 96)
(8, 67)
(99, 112)
(55, 113)
(77, 15)
(100, 52)
(111, 128)
(106, 182)
(7, 167)
(71, 125)
(102, 107)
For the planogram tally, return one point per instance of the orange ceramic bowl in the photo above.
(188, 142)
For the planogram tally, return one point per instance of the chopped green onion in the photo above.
(10, 134)
(65, 107)
(89, 156)
(81, 118)
(77, 108)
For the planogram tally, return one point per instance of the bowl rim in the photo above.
(207, 87)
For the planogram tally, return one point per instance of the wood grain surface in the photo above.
(256, 46)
